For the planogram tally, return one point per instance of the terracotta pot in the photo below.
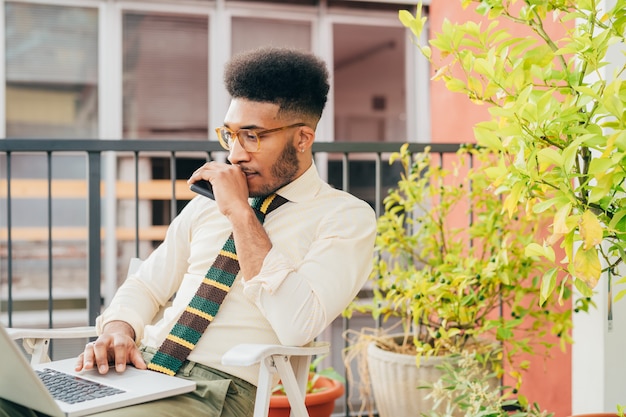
(318, 404)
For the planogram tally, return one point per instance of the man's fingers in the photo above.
(137, 359)
(120, 354)
(101, 356)
(87, 359)
(200, 173)
(116, 348)
(80, 363)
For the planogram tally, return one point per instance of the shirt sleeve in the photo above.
(143, 293)
(301, 300)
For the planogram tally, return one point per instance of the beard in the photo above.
(283, 171)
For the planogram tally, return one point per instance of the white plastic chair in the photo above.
(291, 363)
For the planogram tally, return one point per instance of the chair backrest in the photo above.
(133, 266)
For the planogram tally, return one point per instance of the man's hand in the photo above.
(229, 183)
(116, 345)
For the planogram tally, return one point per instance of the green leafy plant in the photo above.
(466, 390)
(453, 284)
(558, 123)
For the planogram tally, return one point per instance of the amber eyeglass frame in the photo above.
(248, 144)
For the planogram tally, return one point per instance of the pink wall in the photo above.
(453, 114)
(548, 382)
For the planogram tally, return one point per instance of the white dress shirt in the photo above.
(322, 247)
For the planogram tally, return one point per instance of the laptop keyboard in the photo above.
(72, 389)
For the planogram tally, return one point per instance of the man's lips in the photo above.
(249, 173)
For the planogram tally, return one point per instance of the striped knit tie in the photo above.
(205, 304)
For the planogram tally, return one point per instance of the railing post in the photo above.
(94, 242)
(9, 242)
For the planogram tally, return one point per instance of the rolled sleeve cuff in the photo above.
(118, 313)
(274, 271)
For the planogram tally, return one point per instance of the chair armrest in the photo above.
(36, 341)
(60, 333)
(291, 363)
(247, 354)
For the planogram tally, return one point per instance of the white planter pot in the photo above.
(395, 378)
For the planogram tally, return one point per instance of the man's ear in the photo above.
(305, 138)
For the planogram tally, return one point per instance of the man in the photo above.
(298, 270)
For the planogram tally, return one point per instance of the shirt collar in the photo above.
(303, 188)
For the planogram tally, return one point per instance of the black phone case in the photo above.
(203, 188)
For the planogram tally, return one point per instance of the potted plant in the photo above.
(322, 390)
(450, 285)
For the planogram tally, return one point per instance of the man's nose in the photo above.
(237, 153)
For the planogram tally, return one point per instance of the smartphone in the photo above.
(203, 187)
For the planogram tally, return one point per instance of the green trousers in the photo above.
(217, 394)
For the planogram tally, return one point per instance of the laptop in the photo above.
(20, 383)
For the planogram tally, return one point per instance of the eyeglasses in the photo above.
(249, 139)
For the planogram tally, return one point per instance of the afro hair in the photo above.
(295, 80)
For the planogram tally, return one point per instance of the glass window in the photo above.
(165, 76)
(51, 71)
(370, 88)
(250, 33)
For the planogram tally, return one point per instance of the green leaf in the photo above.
(590, 230)
(614, 105)
(619, 215)
(535, 249)
(550, 156)
(548, 283)
(481, 66)
(504, 334)
(603, 187)
(455, 85)
(587, 266)
(570, 154)
(587, 90)
(560, 225)
(405, 17)
(583, 288)
(512, 201)
(620, 140)
(487, 138)
(511, 324)
(546, 204)
(599, 166)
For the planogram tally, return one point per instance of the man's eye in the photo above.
(248, 135)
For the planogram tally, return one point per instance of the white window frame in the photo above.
(220, 14)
